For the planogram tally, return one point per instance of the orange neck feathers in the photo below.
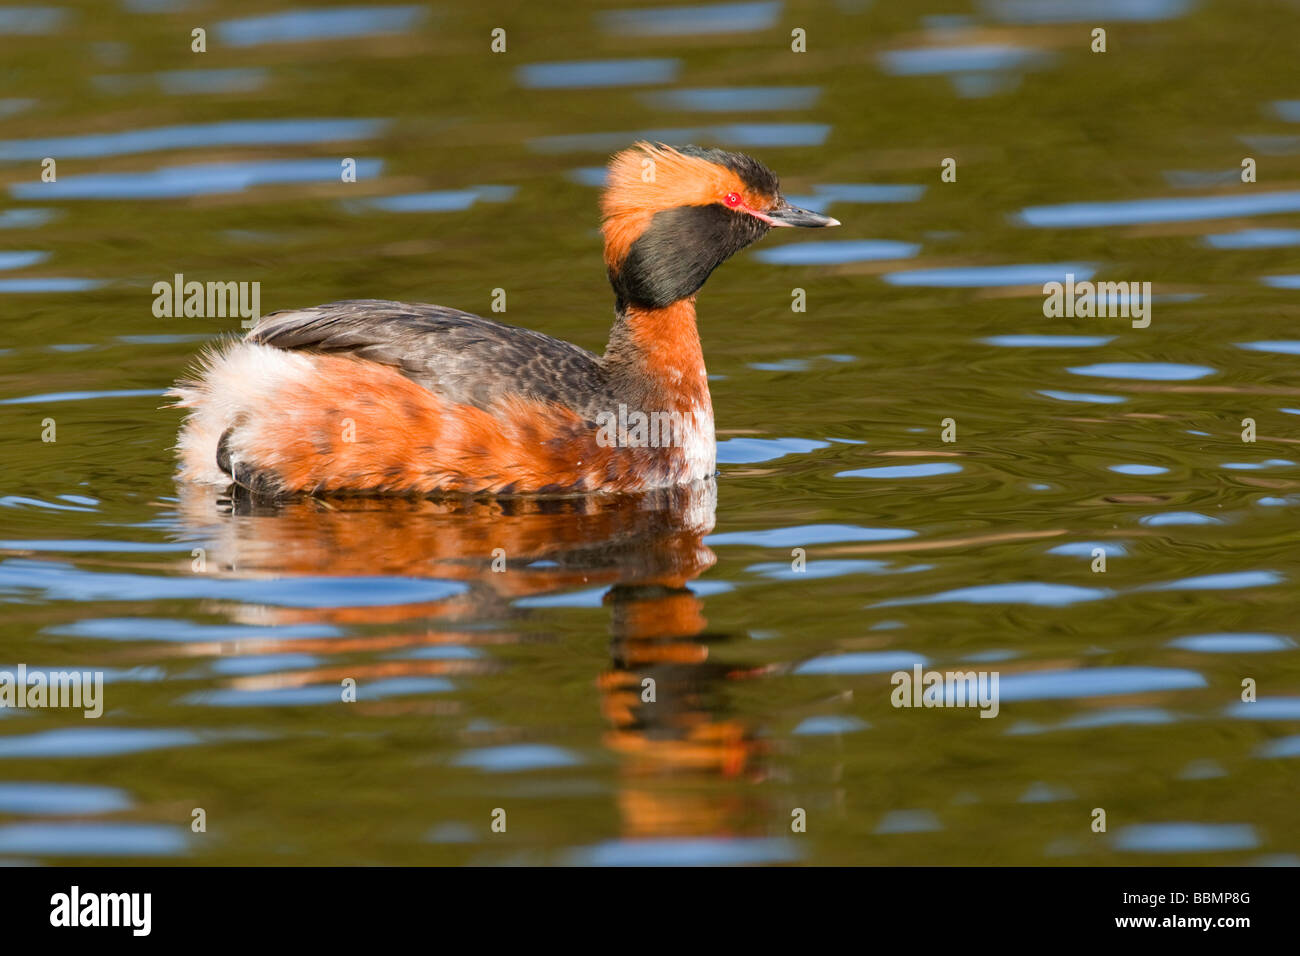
(662, 347)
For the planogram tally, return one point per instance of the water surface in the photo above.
(843, 539)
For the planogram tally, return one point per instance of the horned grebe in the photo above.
(376, 397)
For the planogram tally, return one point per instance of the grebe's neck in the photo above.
(656, 367)
(655, 355)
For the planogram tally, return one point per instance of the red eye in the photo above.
(732, 200)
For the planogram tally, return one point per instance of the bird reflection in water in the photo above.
(662, 697)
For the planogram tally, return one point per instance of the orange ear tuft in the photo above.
(652, 177)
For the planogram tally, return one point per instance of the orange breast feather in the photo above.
(361, 426)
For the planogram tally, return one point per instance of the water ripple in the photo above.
(908, 821)
(1220, 582)
(93, 742)
(1096, 682)
(1233, 643)
(1282, 282)
(278, 132)
(1144, 371)
(1030, 593)
(174, 182)
(1138, 469)
(325, 23)
(828, 725)
(1116, 717)
(1082, 397)
(21, 259)
(316, 694)
(922, 61)
(64, 582)
(724, 99)
(890, 472)
(750, 451)
(1049, 341)
(1285, 747)
(1289, 347)
(837, 251)
(93, 839)
(31, 20)
(754, 135)
(1178, 209)
(60, 798)
(1254, 239)
(47, 397)
(1186, 837)
(686, 851)
(983, 277)
(1170, 519)
(512, 758)
(1094, 11)
(174, 629)
(592, 74)
(1266, 708)
(701, 20)
(861, 662)
(795, 536)
(49, 284)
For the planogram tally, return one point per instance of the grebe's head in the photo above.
(672, 215)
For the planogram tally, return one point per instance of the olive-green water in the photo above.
(1098, 533)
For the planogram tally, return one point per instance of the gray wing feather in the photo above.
(464, 357)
